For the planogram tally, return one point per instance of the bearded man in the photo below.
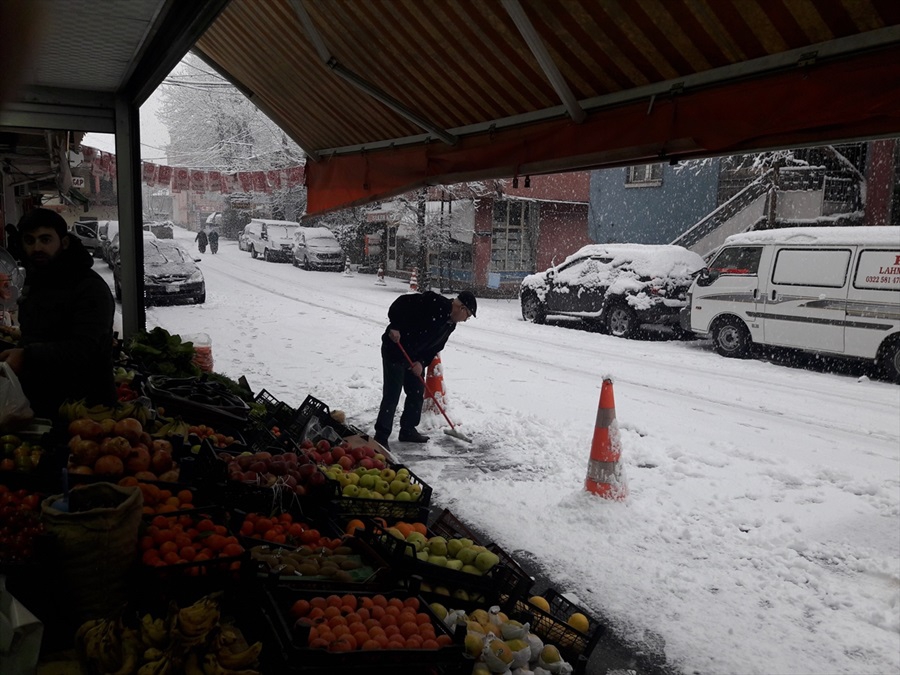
(65, 317)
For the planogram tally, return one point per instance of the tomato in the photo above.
(310, 536)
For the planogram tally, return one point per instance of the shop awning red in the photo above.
(857, 97)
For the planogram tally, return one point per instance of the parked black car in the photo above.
(170, 275)
(616, 287)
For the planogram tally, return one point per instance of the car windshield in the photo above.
(322, 240)
(86, 229)
(157, 255)
(280, 232)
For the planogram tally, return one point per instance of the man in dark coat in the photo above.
(66, 317)
(421, 322)
(201, 240)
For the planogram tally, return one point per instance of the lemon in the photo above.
(579, 622)
(540, 602)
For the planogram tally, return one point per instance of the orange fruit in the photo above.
(318, 643)
(392, 610)
(318, 601)
(411, 602)
(172, 558)
(353, 525)
(232, 550)
(379, 600)
(149, 556)
(414, 642)
(409, 628)
(395, 602)
(166, 508)
(350, 601)
(332, 611)
(185, 496)
(430, 644)
(168, 547)
(370, 644)
(146, 543)
(391, 631)
(334, 601)
(160, 521)
(215, 541)
(189, 553)
(444, 640)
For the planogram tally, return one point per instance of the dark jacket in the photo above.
(201, 238)
(66, 317)
(423, 320)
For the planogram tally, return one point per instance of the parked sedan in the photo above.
(170, 275)
(616, 287)
(88, 232)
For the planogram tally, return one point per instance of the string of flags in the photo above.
(180, 179)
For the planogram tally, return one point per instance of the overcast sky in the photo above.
(154, 135)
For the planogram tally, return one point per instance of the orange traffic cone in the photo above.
(434, 383)
(414, 280)
(604, 474)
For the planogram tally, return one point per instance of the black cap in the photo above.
(467, 298)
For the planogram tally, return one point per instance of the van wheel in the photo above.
(731, 338)
(253, 253)
(888, 360)
(621, 321)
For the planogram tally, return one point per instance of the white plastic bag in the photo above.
(15, 410)
(21, 633)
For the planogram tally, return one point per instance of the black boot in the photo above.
(412, 436)
(383, 442)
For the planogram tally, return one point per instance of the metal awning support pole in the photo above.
(131, 246)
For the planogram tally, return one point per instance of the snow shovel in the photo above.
(452, 431)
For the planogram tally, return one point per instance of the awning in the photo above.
(387, 97)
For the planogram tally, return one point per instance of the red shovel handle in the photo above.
(425, 384)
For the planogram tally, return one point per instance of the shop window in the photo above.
(644, 175)
(513, 236)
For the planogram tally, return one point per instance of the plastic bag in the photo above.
(203, 357)
(20, 635)
(15, 410)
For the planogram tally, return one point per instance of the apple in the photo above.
(338, 452)
(346, 462)
(366, 463)
(161, 461)
(323, 445)
(138, 460)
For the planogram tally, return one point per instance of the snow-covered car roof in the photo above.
(279, 223)
(317, 232)
(883, 235)
(647, 260)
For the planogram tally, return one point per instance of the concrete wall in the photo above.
(650, 215)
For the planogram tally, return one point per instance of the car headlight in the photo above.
(196, 276)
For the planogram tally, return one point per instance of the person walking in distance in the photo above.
(213, 241)
(421, 323)
(201, 240)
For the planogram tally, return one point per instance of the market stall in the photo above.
(199, 527)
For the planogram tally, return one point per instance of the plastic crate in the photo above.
(513, 581)
(313, 409)
(297, 657)
(552, 628)
(268, 414)
(235, 415)
(350, 507)
(374, 574)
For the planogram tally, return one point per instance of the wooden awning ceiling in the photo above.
(389, 95)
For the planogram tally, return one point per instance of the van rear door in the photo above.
(806, 298)
(873, 302)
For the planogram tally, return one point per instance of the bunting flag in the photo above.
(149, 172)
(246, 180)
(214, 179)
(164, 175)
(229, 183)
(295, 176)
(198, 180)
(181, 179)
(88, 153)
(113, 172)
(274, 179)
(104, 163)
(259, 181)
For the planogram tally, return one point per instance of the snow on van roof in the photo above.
(280, 223)
(650, 260)
(882, 235)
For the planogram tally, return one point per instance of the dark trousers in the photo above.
(398, 377)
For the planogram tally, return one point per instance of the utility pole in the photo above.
(424, 281)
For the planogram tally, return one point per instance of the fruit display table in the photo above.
(254, 536)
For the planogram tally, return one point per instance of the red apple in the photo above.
(338, 452)
(161, 461)
(324, 445)
(346, 462)
(367, 462)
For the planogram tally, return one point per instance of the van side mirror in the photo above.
(706, 276)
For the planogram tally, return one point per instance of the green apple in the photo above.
(388, 474)
(438, 609)
(360, 470)
(364, 493)
(437, 546)
(461, 594)
(442, 590)
(471, 569)
(454, 546)
(367, 481)
(396, 533)
(403, 496)
(380, 457)
(439, 560)
(423, 556)
(467, 554)
(454, 565)
(417, 539)
(465, 541)
(397, 486)
(350, 490)
(382, 486)
(486, 560)
(402, 474)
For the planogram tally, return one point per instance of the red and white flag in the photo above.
(246, 180)
(274, 179)
(198, 180)
(214, 180)
(164, 175)
(295, 176)
(181, 180)
(259, 182)
(149, 171)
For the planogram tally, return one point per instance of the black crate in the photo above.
(297, 657)
(343, 507)
(551, 627)
(513, 581)
(313, 409)
(374, 574)
(402, 556)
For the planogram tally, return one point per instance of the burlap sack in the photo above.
(96, 544)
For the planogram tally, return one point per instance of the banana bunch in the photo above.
(172, 427)
(73, 410)
(193, 624)
(108, 645)
(154, 632)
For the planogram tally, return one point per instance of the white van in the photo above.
(829, 290)
(271, 239)
(315, 248)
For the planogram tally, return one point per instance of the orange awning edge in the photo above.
(733, 118)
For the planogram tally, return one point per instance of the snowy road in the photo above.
(762, 530)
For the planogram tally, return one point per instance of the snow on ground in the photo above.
(762, 530)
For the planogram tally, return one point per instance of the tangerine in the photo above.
(185, 496)
(430, 644)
